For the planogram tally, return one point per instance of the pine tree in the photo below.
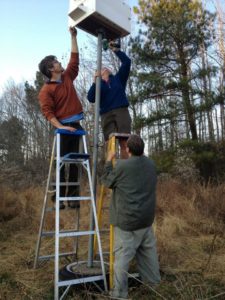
(174, 32)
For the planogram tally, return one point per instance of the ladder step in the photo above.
(68, 233)
(52, 233)
(67, 132)
(103, 253)
(80, 280)
(78, 233)
(73, 161)
(50, 256)
(64, 184)
(75, 156)
(74, 198)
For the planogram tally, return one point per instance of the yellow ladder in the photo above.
(112, 147)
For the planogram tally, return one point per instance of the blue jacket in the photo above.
(113, 92)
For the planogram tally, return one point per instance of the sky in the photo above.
(30, 30)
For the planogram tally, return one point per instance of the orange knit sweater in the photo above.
(60, 100)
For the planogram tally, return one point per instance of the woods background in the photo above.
(176, 91)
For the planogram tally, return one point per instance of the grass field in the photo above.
(190, 229)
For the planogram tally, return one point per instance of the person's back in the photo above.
(134, 193)
(132, 210)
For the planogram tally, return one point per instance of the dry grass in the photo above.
(189, 226)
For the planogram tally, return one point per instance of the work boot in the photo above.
(74, 204)
(61, 204)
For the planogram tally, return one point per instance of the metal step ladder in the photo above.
(81, 159)
(113, 147)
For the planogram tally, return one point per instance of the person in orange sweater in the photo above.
(61, 106)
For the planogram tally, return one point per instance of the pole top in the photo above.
(113, 17)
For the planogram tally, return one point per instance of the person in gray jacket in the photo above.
(132, 211)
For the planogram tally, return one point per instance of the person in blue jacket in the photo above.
(115, 116)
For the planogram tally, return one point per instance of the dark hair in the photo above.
(46, 64)
(136, 145)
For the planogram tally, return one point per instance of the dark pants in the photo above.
(68, 144)
(116, 120)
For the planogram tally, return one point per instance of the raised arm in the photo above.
(74, 46)
(73, 65)
(124, 69)
(110, 175)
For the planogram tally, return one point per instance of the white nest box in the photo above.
(94, 15)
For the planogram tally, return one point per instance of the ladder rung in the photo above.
(103, 253)
(50, 256)
(48, 233)
(78, 233)
(65, 184)
(80, 280)
(74, 156)
(73, 161)
(52, 233)
(74, 198)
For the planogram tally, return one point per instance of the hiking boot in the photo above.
(61, 204)
(74, 204)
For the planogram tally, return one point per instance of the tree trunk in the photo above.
(186, 97)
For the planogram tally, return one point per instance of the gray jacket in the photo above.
(133, 183)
